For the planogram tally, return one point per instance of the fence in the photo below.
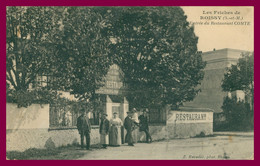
(66, 116)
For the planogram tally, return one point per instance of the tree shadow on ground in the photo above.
(68, 152)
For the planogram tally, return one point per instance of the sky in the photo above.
(227, 35)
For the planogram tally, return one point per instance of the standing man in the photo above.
(129, 126)
(144, 125)
(136, 122)
(104, 130)
(84, 128)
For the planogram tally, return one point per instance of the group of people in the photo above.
(112, 131)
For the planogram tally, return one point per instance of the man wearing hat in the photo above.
(143, 125)
(129, 126)
(84, 128)
(136, 122)
(104, 130)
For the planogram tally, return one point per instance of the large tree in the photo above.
(155, 47)
(29, 31)
(241, 77)
(157, 50)
(82, 52)
(64, 43)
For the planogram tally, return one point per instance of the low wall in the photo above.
(158, 132)
(23, 139)
(190, 122)
(36, 116)
(183, 123)
(29, 128)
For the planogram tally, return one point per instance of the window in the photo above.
(41, 81)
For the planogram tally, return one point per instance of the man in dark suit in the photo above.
(84, 128)
(143, 125)
(129, 126)
(104, 131)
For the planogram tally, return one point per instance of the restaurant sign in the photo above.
(191, 117)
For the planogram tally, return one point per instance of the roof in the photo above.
(224, 50)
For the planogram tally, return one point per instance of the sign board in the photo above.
(113, 83)
(190, 117)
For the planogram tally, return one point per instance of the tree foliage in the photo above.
(156, 48)
(62, 42)
(82, 52)
(241, 77)
(238, 114)
(24, 98)
(29, 33)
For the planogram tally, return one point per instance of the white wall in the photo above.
(35, 116)
(190, 117)
(186, 124)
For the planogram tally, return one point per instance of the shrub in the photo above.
(238, 114)
(25, 98)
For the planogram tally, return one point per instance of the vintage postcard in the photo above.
(130, 83)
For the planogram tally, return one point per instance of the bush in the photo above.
(25, 98)
(238, 114)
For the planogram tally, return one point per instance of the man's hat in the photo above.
(104, 114)
(134, 110)
(115, 113)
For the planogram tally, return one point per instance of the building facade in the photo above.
(212, 95)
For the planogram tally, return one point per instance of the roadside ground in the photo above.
(223, 145)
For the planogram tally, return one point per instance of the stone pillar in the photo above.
(109, 107)
(121, 115)
(125, 107)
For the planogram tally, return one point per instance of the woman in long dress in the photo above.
(115, 131)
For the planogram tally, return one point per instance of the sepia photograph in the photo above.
(130, 83)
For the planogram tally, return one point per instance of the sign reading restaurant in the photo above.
(191, 117)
